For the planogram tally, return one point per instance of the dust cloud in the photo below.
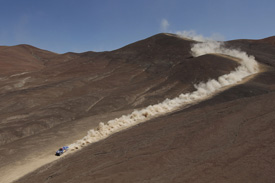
(204, 90)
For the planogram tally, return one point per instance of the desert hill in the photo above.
(56, 98)
(22, 58)
(270, 40)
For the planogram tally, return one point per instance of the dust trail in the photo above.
(248, 66)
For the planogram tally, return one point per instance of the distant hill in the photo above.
(22, 58)
(270, 40)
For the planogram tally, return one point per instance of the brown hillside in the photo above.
(228, 138)
(22, 58)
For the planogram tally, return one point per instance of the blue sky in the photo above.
(101, 25)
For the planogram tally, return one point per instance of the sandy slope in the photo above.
(26, 155)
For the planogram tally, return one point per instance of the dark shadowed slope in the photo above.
(219, 140)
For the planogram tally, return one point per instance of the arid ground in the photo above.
(50, 100)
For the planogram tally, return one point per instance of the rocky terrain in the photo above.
(50, 100)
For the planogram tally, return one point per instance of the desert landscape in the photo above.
(198, 127)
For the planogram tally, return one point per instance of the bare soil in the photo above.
(56, 98)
